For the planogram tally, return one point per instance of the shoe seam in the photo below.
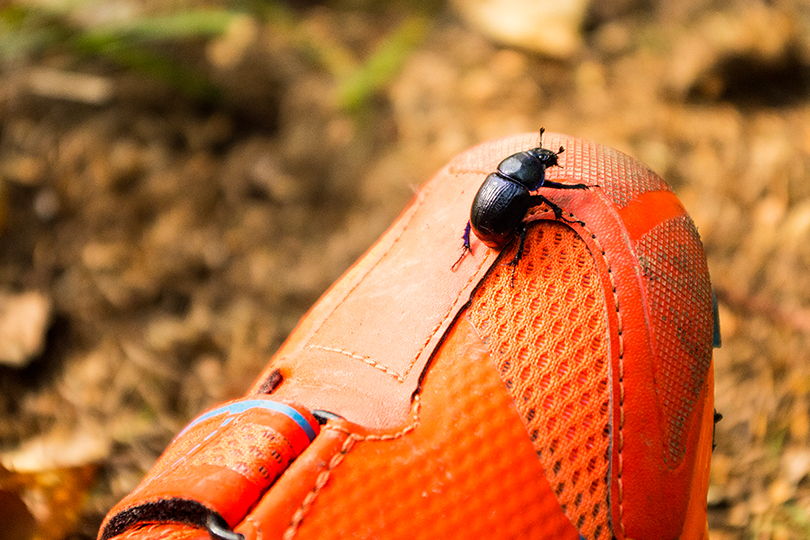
(401, 377)
(620, 336)
(620, 333)
(338, 458)
(421, 198)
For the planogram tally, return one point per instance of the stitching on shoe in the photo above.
(257, 530)
(421, 197)
(433, 332)
(620, 332)
(320, 482)
(337, 459)
(415, 410)
(371, 362)
(400, 377)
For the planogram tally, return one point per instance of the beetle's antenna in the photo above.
(542, 130)
(560, 151)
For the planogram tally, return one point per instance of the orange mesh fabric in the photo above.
(679, 295)
(620, 176)
(463, 468)
(548, 336)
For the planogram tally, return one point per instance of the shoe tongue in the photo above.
(365, 345)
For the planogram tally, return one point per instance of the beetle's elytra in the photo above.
(505, 197)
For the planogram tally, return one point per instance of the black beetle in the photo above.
(504, 199)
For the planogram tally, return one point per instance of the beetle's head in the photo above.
(547, 157)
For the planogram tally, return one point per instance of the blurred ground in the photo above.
(179, 181)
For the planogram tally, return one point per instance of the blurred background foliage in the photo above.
(180, 180)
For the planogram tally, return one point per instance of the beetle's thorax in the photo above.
(524, 168)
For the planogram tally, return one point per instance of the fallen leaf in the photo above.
(24, 319)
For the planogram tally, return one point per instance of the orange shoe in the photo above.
(567, 396)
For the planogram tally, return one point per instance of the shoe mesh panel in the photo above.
(548, 336)
(621, 177)
(679, 295)
(466, 470)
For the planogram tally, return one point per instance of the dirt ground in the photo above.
(172, 200)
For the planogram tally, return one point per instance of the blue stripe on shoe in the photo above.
(239, 407)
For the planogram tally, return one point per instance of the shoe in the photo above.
(567, 396)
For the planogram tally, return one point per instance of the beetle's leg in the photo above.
(559, 185)
(521, 244)
(465, 248)
(558, 212)
(519, 253)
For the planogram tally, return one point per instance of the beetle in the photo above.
(505, 197)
